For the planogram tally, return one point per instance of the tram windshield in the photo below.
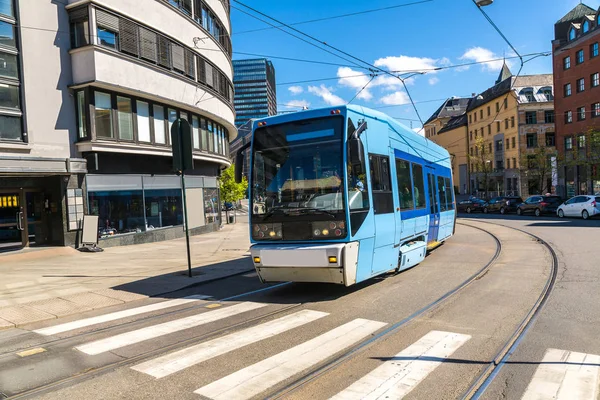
(297, 170)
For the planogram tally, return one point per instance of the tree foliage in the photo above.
(231, 191)
(537, 167)
(481, 162)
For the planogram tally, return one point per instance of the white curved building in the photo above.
(98, 84)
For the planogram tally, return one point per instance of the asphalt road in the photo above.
(303, 341)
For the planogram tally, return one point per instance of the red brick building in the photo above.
(577, 100)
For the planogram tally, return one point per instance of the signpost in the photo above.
(181, 142)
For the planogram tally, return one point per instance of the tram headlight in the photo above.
(329, 229)
(267, 231)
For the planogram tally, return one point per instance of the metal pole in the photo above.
(187, 231)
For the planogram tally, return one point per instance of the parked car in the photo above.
(472, 205)
(580, 206)
(503, 204)
(539, 205)
(227, 206)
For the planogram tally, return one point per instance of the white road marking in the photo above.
(154, 331)
(255, 379)
(179, 360)
(565, 375)
(395, 378)
(69, 326)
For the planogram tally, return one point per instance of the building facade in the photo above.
(448, 128)
(255, 90)
(92, 89)
(577, 81)
(255, 97)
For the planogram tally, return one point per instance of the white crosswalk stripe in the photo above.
(255, 379)
(395, 378)
(82, 323)
(154, 331)
(179, 360)
(565, 375)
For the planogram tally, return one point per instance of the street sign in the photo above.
(181, 142)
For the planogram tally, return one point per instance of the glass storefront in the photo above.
(145, 203)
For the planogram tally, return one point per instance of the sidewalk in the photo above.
(40, 284)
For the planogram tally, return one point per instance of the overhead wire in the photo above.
(336, 49)
(363, 88)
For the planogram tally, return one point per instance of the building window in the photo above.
(158, 116)
(475, 116)
(81, 115)
(594, 50)
(470, 119)
(567, 62)
(569, 143)
(499, 165)
(508, 163)
(514, 142)
(497, 126)
(489, 111)
(531, 117)
(108, 38)
(489, 129)
(506, 103)
(103, 115)
(124, 118)
(497, 107)
(581, 141)
(580, 57)
(568, 117)
(567, 90)
(586, 26)
(550, 139)
(471, 151)
(531, 140)
(512, 122)
(80, 30)
(143, 121)
(581, 114)
(490, 147)
(471, 135)
(507, 143)
(196, 132)
(549, 117)
(506, 123)
(475, 133)
(572, 33)
(204, 131)
(596, 110)
(580, 85)
(481, 114)
(499, 145)
(595, 79)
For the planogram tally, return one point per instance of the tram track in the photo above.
(361, 347)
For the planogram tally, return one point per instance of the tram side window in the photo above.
(383, 202)
(405, 189)
(449, 194)
(442, 193)
(419, 186)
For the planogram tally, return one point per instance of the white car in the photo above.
(580, 206)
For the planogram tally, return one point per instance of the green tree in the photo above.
(585, 154)
(538, 168)
(481, 163)
(231, 191)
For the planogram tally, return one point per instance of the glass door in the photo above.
(12, 226)
(33, 212)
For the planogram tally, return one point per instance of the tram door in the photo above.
(434, 206)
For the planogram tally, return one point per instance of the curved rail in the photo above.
(353, 351)
(484, 380)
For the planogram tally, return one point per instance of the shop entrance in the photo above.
(21, 218)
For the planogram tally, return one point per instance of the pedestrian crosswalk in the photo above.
(560, 375)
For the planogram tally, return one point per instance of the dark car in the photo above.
(539, 205)
(472, 205)
(227, 206)
(503, 204)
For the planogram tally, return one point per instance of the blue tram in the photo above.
(344, 194)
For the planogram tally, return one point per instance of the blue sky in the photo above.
(420, 36)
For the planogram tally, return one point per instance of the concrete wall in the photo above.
(46, 73)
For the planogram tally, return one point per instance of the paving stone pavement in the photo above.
(40, 284)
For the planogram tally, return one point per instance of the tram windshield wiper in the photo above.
(313, 210)
(273, 211)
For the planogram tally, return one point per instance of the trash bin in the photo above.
(231, 219)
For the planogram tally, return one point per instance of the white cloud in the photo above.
(356, 80)
(480, 54)
(388, 82)
(433, 80)
(410, 64)
(326, 94)
(296, 89)
(419, 131)
(395, 99)
(297, 104)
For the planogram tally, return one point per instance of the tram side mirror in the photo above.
(357, 153)
(239, 162)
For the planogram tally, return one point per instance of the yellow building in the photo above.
(448, 128)
(504, 123)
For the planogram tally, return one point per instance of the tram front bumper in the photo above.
(329, 263)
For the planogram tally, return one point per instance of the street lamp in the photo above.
(483, 3)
